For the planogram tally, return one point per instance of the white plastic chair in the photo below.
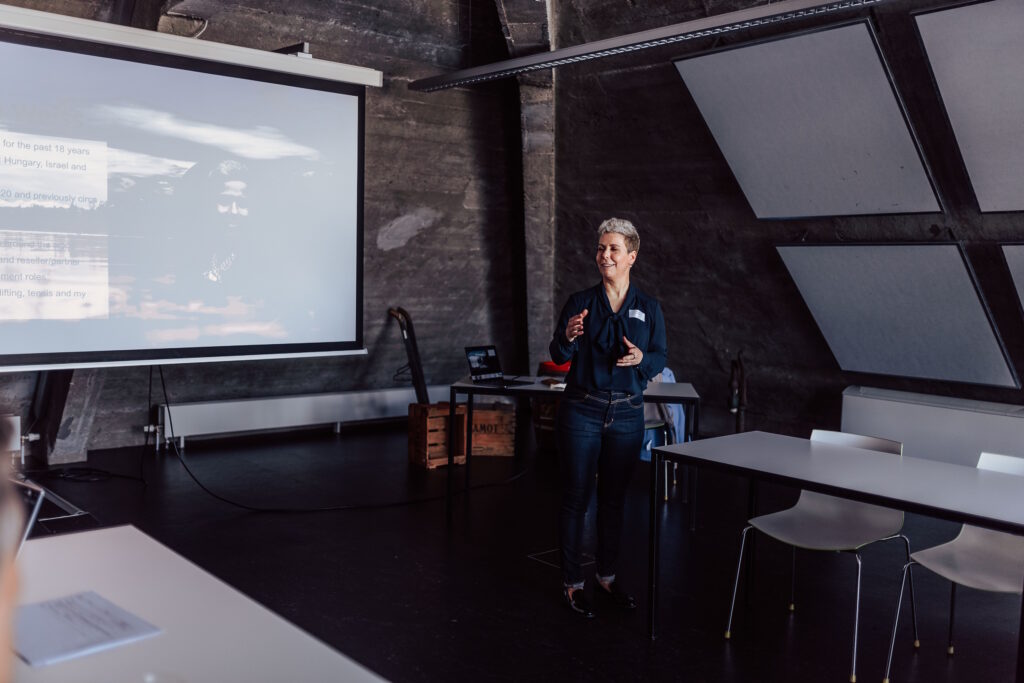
(822, 522)
(977, 558)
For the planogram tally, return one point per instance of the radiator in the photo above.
(952, 430)
(208, 418)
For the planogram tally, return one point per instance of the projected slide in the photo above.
(811, 126)
(53, 276)
(976, 53)
(911, 310)
(148, 211)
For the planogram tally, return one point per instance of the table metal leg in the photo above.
(524, 428)
(693, 498)
(469, 438)
(652, 543)
(696, 420)
(752, 548)
(1020, 646)
(451, 454)
(692, 416)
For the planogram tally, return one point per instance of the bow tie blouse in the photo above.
(595, 352)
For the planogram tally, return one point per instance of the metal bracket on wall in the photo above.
(155, 430)
(296, 50)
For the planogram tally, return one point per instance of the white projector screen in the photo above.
(811, 125)
(976, 53)
(160, 208)
(910, 310)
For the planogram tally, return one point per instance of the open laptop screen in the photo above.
(483, 362)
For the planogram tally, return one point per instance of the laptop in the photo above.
(485, 369)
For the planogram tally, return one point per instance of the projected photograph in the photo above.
(811, 125)
(146, 207)
(910, 310)
(976, 54)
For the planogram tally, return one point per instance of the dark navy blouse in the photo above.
(595, 352)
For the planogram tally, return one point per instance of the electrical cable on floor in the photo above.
(289, 510)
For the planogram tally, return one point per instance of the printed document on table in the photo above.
(80, 624)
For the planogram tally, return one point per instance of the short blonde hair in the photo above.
(622, 227)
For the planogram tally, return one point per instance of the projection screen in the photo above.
(910, 310)
(811, 125)
(156, 207)
(976, 54)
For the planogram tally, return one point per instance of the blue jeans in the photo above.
(599, 438)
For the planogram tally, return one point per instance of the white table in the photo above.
(938, 489)
(211, 632)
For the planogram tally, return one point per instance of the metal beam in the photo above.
(773, 13)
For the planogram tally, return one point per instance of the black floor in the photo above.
(412, 598)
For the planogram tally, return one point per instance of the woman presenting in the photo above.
(614, 334)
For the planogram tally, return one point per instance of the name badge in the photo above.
(639, 315)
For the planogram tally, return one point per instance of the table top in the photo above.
(535, 387)
(210, 631)
(656, 392)
(939, 489)
(669, 392)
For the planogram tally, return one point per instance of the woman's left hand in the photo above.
(633, 355)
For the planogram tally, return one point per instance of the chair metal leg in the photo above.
(856, 620)
(896, 620)
(675, 473)
(913, 602)
(735, 585)
(666, 481)
(792, 583)
(665, 440)
(952, 613)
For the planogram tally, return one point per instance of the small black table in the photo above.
(656, 392)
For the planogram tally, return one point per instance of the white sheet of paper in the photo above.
(76, 625)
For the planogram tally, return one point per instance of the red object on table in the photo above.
(551, 368)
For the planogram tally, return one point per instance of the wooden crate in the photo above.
(428, 434)
(494, 429)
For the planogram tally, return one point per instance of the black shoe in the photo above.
(578, 602)
(617, 595)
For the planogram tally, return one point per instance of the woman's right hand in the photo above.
(575, 327)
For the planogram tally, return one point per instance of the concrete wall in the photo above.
(631, 143)
(445, 213)
(443, 199)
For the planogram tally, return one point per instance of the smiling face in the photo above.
(613, 256)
